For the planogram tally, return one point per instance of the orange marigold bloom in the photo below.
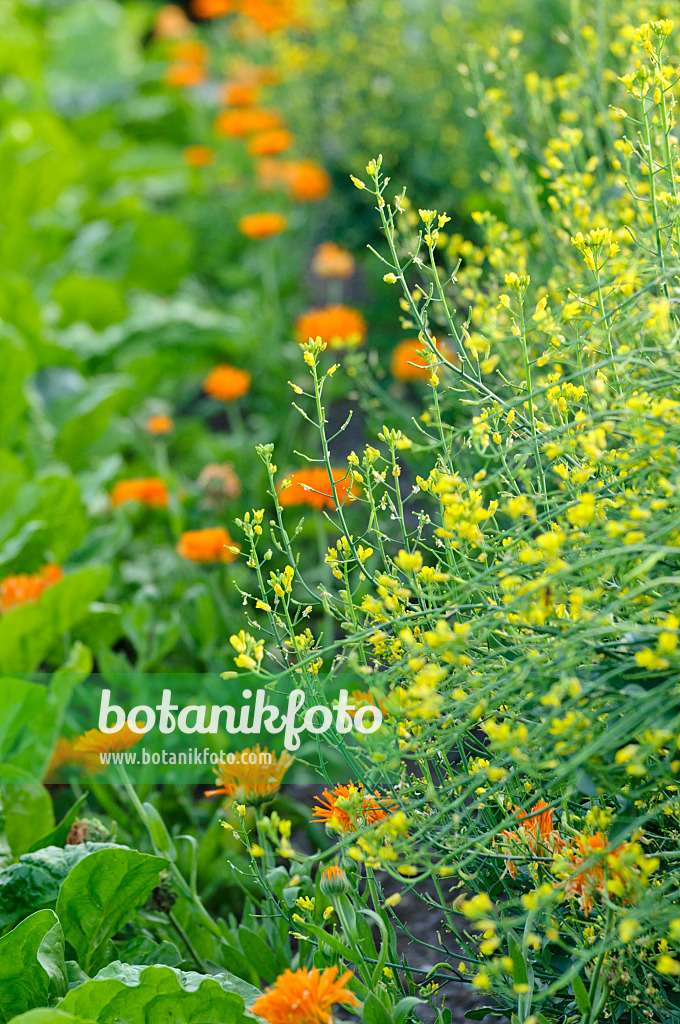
(537, 834)
(312, 486)
(190, 50)
(305, 997)
(171, 22)
(593, 852)
(347, 808)
(150, 491)
(361, 697)
(270, 143)
(212, 8)
(26, 588)
(338, 326)
(159, 424)
(86, 749)
(234, 124)
(239, 94)
(333, 881)
(308, 182)
(408, 365)
(198, 156)
(331, 260)
(210, 545)
(252, 783)
(227, 383)
(262, 225)
(182, 75)
(61, 755)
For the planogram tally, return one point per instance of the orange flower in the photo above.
(347, 808)
(338, 326)
(198, 156)
(361, 697)
(150, 491)
(270, 143)
(312, 486)
(239, 94)
(330, 260)
(305, 997)
(220, 482)
(307, 181)
(85, 749)
(190, 51)
(270, 173)
(182, 75)
(252, 783)
(211, 545)
(171, 22)
(227, 383)
(262, 225)
(159, 425)
(212, 8)
(408, 365)
(333, 881)
(593, 852)
(245, 121)
(537, 833)
(25, 588)
(61, 755)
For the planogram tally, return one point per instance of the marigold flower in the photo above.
(210, 545)
(308, 182)
(185, 74)
(262, 225)
(270, 143)
(338, 326)
(150, 491)
(331, 260)
(271, 15)
(219, 482)
(26, 588)
(361, 697)
(245, 121)
(61, 755)
(190, 50)
(408, 365)
(305, 997)
(198, 156)
(252, 784)
(538, 834)
(85, 749)
(227, 383)
(312, 486)
(239, 94)
(593, 852)
(171, 22)
(333, 881)
(159, 424)
(212, 8)
(347, 808)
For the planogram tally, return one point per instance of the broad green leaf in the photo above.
(374, 1012)
(190, 980)
(32, 965)
(100, 895)
(95, 300)
(34, 881)
(46, 1016)
(258, 953)
(58, 835)
(26, 808)
(154, 995)
(143, 951)
(580, 994)
(519, 967)
(53, 501)
(16, 365)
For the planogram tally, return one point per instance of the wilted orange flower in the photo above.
(347, 808)
(408, 365)
(210, 545)
(220, 482)
(308, 182)
(150, 491)
(227, 383)
(270, 143)
(171, 22)
(185, 74)
(239, 94)
(212, 8)
(600, 860)
(338, 326)
(262, 225)
(331, 260)
(312, 486)
(26, 588)
(159, 424)
(198, 156)
(536, 834)
(252, 783)
(190, 50)
(305, 997)
(245, 121)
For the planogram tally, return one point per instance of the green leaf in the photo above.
(519, 967)
(45, 1016)
(190, 980)
(34, 881)
(374, 1012)
(580, 994)
(32, 965)
(258, 953)
(59, 834)
(26, 808)
(16, 365)
(155, 994)
(100, 895)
